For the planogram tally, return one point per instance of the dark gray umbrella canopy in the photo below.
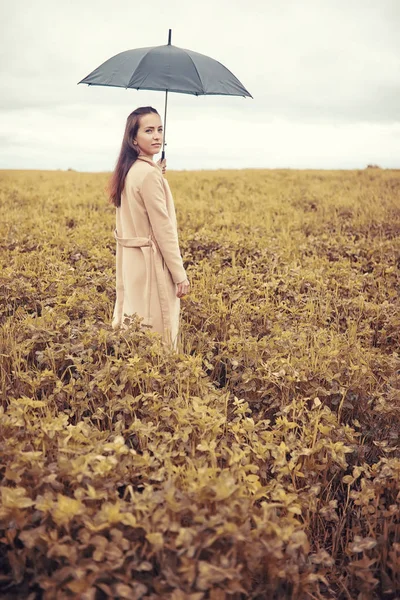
(167, 68)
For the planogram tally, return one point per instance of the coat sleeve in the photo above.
(153, 194)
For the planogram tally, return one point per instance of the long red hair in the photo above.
(128, 154)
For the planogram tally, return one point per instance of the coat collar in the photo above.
(148, 159)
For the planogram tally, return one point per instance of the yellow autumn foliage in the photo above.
(262, 459)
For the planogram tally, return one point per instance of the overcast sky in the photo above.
(324, 74)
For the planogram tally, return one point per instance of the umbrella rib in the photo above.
(198, 74)
(137, 67)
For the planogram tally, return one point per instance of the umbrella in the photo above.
(167, 68)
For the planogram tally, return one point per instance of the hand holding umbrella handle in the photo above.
(162, 163)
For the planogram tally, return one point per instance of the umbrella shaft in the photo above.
(165, 124)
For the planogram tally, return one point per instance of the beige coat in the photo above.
(148, 258)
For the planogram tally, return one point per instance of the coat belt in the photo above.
(157, 260)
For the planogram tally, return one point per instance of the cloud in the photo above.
(315, 69)
(54, 140)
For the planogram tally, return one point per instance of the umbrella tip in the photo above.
(169, 36)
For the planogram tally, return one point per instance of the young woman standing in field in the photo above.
(150, 276)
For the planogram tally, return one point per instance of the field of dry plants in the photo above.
(262, 460)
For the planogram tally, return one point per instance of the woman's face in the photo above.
(149, 135)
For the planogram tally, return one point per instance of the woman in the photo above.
(150, 276)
